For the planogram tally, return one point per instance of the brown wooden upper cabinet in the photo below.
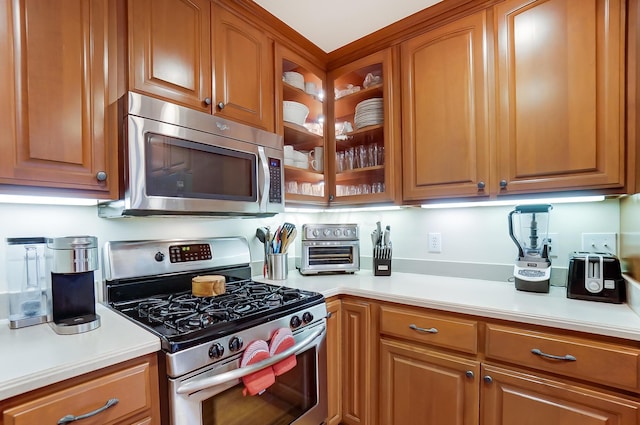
(365, 145)
(53, 82)
(200, 55)
(534, 103)
(560, 95)
(445, 114)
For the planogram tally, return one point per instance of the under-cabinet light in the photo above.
(340, 210)
(47, 200)
(509, 202)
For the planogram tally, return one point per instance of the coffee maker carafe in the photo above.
(532, 270)
(70, 263)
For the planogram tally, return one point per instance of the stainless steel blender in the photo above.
(532, 270)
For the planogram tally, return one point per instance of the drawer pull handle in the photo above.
(423, 330)
(567, 358)
(70, 418)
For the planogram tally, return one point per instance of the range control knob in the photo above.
(295, 322)
(347, 232)
(216, 351)
(326, 232)
(307, 317)
(337, 232)
(159, 256)
(315, 232)
(235, 343)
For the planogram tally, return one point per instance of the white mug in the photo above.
(316, 157)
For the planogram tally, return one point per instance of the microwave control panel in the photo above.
(275, 173)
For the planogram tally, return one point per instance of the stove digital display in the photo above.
(194, 252)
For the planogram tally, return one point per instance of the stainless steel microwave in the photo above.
(177, 161)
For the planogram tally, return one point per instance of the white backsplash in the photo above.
(469, 235)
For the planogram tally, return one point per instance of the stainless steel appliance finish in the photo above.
(177, 161)
(70, 263)
(204, 338)
(329, 248)
(595, 276)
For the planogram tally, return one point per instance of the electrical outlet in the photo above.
(553, 245)
(435, 242)
(600, 242)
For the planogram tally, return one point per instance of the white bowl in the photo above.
(294, 112)
(294, 78)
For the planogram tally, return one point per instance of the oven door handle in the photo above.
(212, 381)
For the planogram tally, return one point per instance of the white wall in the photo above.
(476, 235)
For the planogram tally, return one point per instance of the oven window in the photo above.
(330, 255)
(293, 394)
(186, 169)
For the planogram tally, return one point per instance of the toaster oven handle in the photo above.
(264, 168)
(212, 381)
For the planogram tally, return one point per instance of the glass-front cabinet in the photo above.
(300, 95)
(367, 123)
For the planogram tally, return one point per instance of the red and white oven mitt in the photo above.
(259, 381)
(281, 340)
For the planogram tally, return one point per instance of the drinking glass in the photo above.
(361, 158)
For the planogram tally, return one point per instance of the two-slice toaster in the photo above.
(595, 276)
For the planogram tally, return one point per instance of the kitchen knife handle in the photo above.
(423, 330)
(567, 357)
(71, 418)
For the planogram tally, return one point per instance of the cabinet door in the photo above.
(243, 71)
(418, 386)
(334, 363)
(357, 338)
(365, 144)
(52, 110)
(445, 121)
(169, 50)
(560, 98)
(305, 160)
(514, 398)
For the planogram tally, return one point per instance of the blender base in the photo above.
(530, 286)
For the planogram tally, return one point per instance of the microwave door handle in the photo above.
(264, 167)
(212, 381)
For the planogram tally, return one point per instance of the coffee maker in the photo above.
(532, 270)
(70, 264)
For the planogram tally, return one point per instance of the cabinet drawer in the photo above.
(581, 358)
(430, 328)
(131, 386)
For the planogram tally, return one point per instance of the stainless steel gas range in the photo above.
(210, 344)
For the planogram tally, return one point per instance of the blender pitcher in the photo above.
(27, 304)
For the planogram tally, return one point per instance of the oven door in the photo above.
(214, 396)
(330, 256)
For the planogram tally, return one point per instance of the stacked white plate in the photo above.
(294, 78)
(369, 112)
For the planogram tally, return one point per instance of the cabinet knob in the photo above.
(331, 197)
(101, 176)
(469, 374)
(487, 379)
(220, 106)
(503, 184)
(481, 185)
(207, 101)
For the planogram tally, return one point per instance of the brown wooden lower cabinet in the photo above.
(334, 362)
(134, 384)
(407, 365)
(515, 398)
(422, 386)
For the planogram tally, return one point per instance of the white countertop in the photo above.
(36, 356)
(499, 300)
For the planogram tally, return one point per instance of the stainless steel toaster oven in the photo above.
(329, 248)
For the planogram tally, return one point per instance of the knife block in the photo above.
(381, 266)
